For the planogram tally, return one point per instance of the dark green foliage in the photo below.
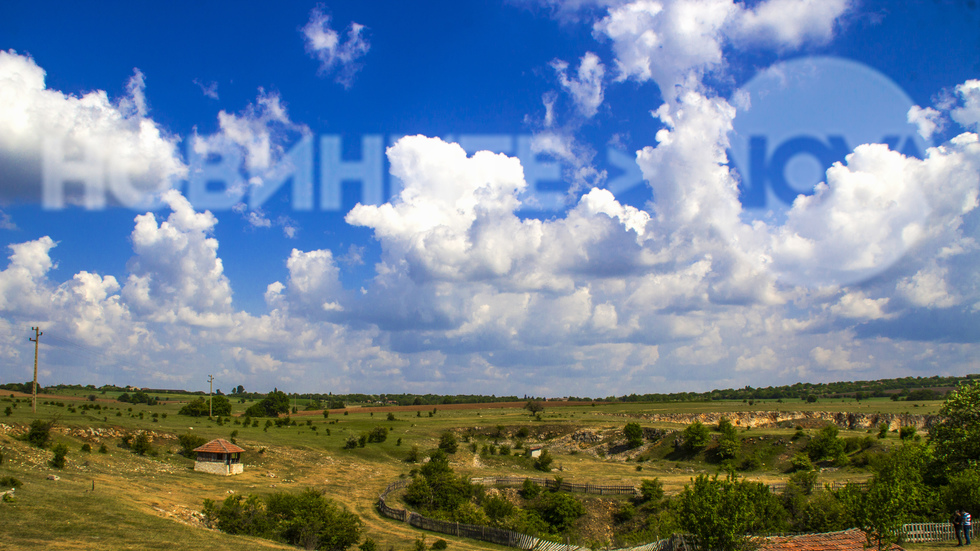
(39, 433)
(272, 405)
(956, 438)
(651, 490)
(140, 444)
(530, 490)
(448, 442)
(882, 430)
(439, 545)
(8, 411)
(437, 487)
(308, 519)
(138, 397)
(10, 482)
(414, 455)
(558, 509)
(895, 496)
(188, 442)
(103, 448)
(368, 545)
(199, 407)
(534, 407)
(378, 434)
(720, 514)
(625, 513)
(634, 435)
(60, 451)
(543, 461)
(391, 416)
(87, 448)
(826, 444)
(696, 436)
(801, 462)
(497, 509)
(907, 432)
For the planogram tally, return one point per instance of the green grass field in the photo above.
(119, 500)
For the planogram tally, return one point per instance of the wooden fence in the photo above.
(513, 481)
(936, 531)
(501, 536)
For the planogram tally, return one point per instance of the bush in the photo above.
(10, 482)
(448, 442)
(351, 443)
(391, 416)
(199, 407)
(103, 448)
(696, 436)
(558, 509)
(414, 455)
(651, 490)
(378, 434)
(439, 545)
(625, 513)
(543, 461)
(800, 462)
(634, 435)
(39, 433)
(188, 442)
(825, 444)
(530, 490)
(60, 451)
(140, 444)
(308, 519)
(498, 508)
(87, 448)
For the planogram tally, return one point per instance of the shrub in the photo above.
(498, 508)
(368, 545)
(439, 545)
(391, 416)
(448, 443)
(558, 509)
(800, 462)
(530, 490)
(10, 482)
(351, 443)
(60, 451)
(907, 432)
(523, 432)
(652, 490)
(378, 434)
(414, 455)
(634, 435)
(188, 442)
(8, 412)
(39, 433)
(883, 430)
(696, 436)
(87, 448)
(141, 444)
(199, 407)
(103, 448)
(625, 513)
(543, 461)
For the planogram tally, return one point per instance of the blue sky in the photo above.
(631, 226)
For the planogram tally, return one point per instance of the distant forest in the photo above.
(906, 388)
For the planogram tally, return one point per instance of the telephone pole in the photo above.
(36, 340)
(210, 390)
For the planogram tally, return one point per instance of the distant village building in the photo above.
(219, 457)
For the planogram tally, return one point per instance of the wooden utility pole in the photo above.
(210, 390)
(36, 340)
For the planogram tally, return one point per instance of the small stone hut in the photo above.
(219, 457)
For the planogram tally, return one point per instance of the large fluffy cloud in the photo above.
(120, 149)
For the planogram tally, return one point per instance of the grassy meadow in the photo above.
(120, 500)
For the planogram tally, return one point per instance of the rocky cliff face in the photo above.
(765, 419)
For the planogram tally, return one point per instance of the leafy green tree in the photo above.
(437, 487)
(651, 490)
(826, 444)
(558, 509)
(140, 444)
(378, 434)
(60, 451)
(188, 442)
(696, 436)
(721, 513)
(39, 433)
(534, 407)
(895, 496)
(448, 442)
(956, 437)
(634, 435)
(198, 407)
(272, 405)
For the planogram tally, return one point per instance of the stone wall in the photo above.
(221, 468)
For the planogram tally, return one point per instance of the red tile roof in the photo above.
(219, 446)
(847, 540)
